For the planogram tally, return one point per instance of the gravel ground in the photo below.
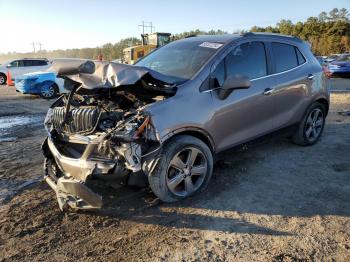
(273, 201)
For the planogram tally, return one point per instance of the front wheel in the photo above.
(49, 91)
(3, 79)
(184, 168)
(311, 127)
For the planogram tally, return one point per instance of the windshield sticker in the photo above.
(211, 45)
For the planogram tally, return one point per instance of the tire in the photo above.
(170, 184)
(49, 91)
(311, 127)
(3, 79)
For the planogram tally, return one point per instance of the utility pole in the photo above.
(33, 47)
(146, 25)
(40, 44)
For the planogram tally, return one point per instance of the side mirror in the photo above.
(233, 82)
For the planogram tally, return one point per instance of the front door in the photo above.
(245, 113)
(15, 68)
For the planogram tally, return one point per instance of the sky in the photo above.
(62, 24)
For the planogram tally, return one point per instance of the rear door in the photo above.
(245, 113)
(291, 83)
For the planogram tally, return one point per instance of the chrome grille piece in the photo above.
(81, 120)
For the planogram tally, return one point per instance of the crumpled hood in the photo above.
(97, 74)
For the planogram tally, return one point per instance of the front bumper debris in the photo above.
(70, 191)
(73, 193)
(82, 167)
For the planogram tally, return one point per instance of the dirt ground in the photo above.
(274, 201)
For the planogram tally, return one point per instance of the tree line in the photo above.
(328, 33)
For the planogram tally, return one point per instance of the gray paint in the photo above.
(245, 114)
(242, 116)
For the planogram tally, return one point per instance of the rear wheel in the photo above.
(184, 168)
(311, 127)
(3, 79)
(49, 91)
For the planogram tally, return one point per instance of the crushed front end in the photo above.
(99, 133)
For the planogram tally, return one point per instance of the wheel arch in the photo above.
(195, 132)
(47, 82)
(324, 102)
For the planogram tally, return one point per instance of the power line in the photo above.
(146, 25)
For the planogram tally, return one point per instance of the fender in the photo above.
(195, 131)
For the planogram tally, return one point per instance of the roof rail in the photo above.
(271, 34)
(193, 35)
(38, 58)
(248, 34)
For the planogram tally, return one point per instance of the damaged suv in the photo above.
(165, 119)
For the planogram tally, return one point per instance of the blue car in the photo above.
(340, 66)
(45, 84)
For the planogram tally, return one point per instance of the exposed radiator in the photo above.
(81, 120)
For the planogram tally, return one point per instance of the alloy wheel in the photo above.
(314, 125)
(2, 80)
(186, 171)
(48, 92)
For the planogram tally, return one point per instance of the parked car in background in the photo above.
(340, 66)
(22, 66)
(45, 84)
(167, 117)
(331, 58)
(322, 60)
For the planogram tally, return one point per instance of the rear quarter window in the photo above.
(301, 58)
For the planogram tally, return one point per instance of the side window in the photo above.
(28, 62)
(13, 64)
(39, 63)
(301, 58)
(285, 56)
(219, 75)
(248, 59)
(20, 63)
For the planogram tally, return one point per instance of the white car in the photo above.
(22, 66)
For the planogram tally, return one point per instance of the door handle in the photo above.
(268, 91)
(310, 76)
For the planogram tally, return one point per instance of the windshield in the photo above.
(180, 60)
(344, 58)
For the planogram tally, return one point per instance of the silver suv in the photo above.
(22, 66)
(165, 119)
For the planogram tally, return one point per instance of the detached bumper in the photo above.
(74, 194)
(84, 165)
(70, 188)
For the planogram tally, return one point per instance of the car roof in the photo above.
(226, 38)
(212, 38)
(40, 59)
